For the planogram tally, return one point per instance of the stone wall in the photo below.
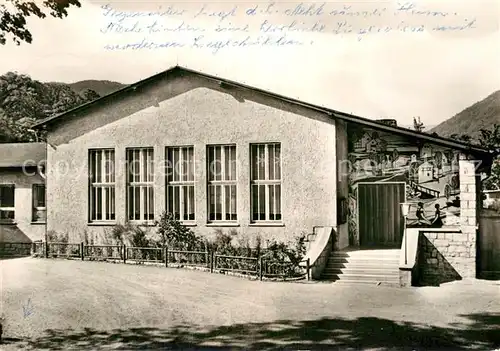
(445, 257)
(15, 249)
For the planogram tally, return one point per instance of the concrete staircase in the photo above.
(379, 267)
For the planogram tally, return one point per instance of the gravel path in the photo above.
(63, 304)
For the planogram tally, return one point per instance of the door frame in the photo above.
(357, 203)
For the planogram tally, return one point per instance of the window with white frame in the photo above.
(265, 184)
(39, 207)
(180, 182)
(221, 164)
(7, 212)
(102, 185)
(140, 184)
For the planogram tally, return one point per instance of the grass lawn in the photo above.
(62, 304)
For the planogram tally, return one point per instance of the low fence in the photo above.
(216, 262)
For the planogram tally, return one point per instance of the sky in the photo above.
(397, 75)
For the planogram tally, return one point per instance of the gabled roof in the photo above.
(21, 154)
(224, 82)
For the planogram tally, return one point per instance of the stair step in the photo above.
(365, 276)
(365, 262)
(372, 256)
(361, 276)
(368, 271)
(366, 282)
(389, 267)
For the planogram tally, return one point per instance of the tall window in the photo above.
(7, 203)
(140, 184)
(102, 185)
(39, 209)
(266, 182)
(180, 182)
(222, 183)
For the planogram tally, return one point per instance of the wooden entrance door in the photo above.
(379, 213)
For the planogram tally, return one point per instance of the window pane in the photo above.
(233, 163)
(98, 167)
(131, 203)
(262, 202)
(151, 203)
(6, 215)
(191, 203)
(112, 166)
(176, 164)
(93, 204)
(272, 197)
(112, 217)
(211, 202)
(38, 195)
(177, 205)
(270, 163)
(277, 188)
(253, 162)
(277, 161)
(218, 203)
(137, 203)
(255, 202)
(217, 163)
(40, 215)
(233, 203)
(168, 166)
(191, 164)
(107, 198)
(227, 202)
(99, 204)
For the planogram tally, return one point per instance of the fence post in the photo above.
(260, 267)
(308, 267)
(212, 257)
(46, 250)
(82, 247)
(166, 256)
(124, 253)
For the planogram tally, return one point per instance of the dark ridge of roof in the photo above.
(332, 113)
(22, 154)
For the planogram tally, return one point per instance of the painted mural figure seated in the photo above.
(423, 222)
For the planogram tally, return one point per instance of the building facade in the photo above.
(219, 155)
(22, 192)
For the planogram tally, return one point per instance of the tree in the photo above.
(461, 137)
(491, 140)
(90, 95)
(13, 14)
(418, 125)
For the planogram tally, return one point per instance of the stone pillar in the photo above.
(469, 204)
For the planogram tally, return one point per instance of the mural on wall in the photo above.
(431, 174)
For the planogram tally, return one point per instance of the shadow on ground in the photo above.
(363, 333)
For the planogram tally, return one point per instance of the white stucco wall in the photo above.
(23, 199)
(194, 111)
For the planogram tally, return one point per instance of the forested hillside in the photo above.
(23, 101)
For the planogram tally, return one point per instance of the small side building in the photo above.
(22, 196)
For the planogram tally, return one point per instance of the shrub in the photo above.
(173, 234)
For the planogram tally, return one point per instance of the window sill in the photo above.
(38, 223)
(8, 223)
(189, 224)
(97, 224)
(142, 224)
(222, 224)
(267, 224)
